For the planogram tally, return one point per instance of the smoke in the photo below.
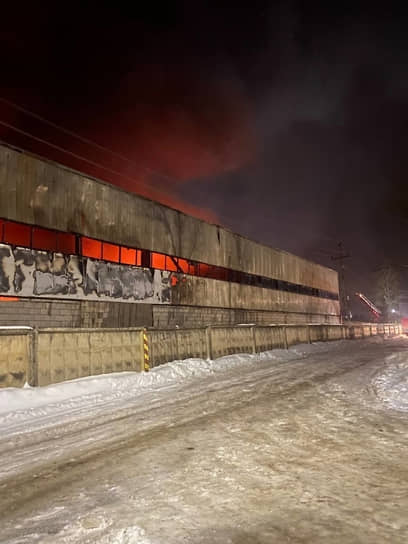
(286, 120)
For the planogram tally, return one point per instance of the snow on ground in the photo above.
(20, 406)
(22, 409)
(391, 386)
(242, 449)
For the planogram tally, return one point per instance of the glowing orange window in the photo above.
(138, 257)
(44, 239)
(66, 243)
(171, 265)
(193, 269)
(110, 252)
(128, 256)
(183, 265)
(158, 261)
(91, 248)
(17, 234)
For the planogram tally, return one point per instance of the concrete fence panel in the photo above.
(317, 333)
(334, 332)
(357, 331)
(279, 339)
(297, 334)
(269, 337)
(66, 354)
(162, 346)
(229, 340)
(15, 358)
(54, 355)
(192, 343)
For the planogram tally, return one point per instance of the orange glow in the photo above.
(17, 234)
(164, 145)
(204, 269)
(9, 299)
(128, 256)
(183, 265)
(1, 229)
(110, 252)
(91, 248)
(171, 264)
(44, 239)
(158, 261)
(66, 243)
(174, 280)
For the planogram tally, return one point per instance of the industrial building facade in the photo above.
(75, 251)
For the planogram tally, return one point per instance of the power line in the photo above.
(82, 138)
(67, 152)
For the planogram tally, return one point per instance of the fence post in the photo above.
(177, 345)
(253, 339)
(309, 338)
(208, 342)
(285, 337)
(145, 356)
(33, 370)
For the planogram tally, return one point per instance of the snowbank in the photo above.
(49, 403)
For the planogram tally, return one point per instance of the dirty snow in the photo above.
(391, 385)
(21, 408)
(288, 446)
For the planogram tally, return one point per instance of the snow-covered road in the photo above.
(304, 445)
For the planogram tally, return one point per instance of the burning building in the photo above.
(78, 252)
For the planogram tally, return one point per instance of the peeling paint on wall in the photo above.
(28, 272)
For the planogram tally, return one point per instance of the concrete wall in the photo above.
(15, 358)
(53, 355)
(68, 354)
(228, 340)
(265, 337)
(171, 344)
(42, 193)
(44, 312)
(33, 273)
(190, 316)
(197, 291)
(41, 313)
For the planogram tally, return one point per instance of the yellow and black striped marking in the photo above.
(146, 352)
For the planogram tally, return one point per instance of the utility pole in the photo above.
(344, 299)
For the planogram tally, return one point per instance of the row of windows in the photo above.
(17, 234)
(49, 240)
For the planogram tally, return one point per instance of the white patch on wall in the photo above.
(27, 272)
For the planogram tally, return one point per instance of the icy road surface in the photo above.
(308, 445)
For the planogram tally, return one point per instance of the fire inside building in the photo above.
(77, 252)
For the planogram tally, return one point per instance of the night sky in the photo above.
(286, 122)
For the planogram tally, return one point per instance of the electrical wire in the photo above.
(82, 138)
